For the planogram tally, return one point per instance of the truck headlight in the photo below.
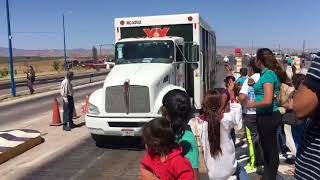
(92, 109)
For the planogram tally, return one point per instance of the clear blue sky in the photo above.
(236, 22)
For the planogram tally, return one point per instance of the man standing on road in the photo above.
(68, 103)
(31, 77)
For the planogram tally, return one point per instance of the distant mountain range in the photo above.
(52, 52)
(223, 50)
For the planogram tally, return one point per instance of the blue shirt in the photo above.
(241, 80)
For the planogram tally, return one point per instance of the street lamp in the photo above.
(13, 88)
(64, 41)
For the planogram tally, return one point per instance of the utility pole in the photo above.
(279, 49)
(12, 84)
(100, 50)
(303, 47)
(64, 44)
(64, 41)
(251, 48)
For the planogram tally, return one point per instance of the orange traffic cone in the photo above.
(84, 105)
(56, 120)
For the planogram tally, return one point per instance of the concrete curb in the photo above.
(53, 78)
(29, 139)
(41, 95)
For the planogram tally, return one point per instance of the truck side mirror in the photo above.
(195, 53)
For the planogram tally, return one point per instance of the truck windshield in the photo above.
(144, 52)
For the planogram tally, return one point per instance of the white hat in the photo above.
(226, 59)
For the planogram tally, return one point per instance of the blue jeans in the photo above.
(297, 134)
(241, 173)
(282, 146)
(68, 108)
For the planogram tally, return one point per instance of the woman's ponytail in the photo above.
(212, 104)
(267, 58)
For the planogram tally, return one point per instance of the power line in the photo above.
(52, 32)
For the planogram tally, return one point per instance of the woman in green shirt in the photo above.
(268, 115)
(177, 109)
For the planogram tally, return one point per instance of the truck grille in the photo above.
(139, 101)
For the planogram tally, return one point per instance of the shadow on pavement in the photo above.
(124, 143)
(86, 161)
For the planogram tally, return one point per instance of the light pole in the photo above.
(12, 85)
(64, 41)
(100, 46)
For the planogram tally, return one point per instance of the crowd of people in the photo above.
(279, 115)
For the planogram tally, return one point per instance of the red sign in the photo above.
(237, 50)
(156, 32)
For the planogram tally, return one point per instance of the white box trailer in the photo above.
(153, 55)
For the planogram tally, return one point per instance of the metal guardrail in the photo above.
(51, 79)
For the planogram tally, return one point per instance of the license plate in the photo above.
(127, 132)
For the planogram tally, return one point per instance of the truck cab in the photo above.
(153, 55)
(146, 69)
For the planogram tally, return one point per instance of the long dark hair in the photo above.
(297, 80)
(267, 58)
(177, 106)
(211, 106)
(159, 137)
(252, 64)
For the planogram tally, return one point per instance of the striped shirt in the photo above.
(308, 156)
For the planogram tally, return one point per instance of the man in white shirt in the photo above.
(249, 117)
(68, 103)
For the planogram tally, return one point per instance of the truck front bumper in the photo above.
(116, 126)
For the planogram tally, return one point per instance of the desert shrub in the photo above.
(56, 65)
(4, 72)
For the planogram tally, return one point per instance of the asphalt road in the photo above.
(53, 85)
(26, 110)
(83, 161)
(86, 161)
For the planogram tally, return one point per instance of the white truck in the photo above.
(153, 55)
